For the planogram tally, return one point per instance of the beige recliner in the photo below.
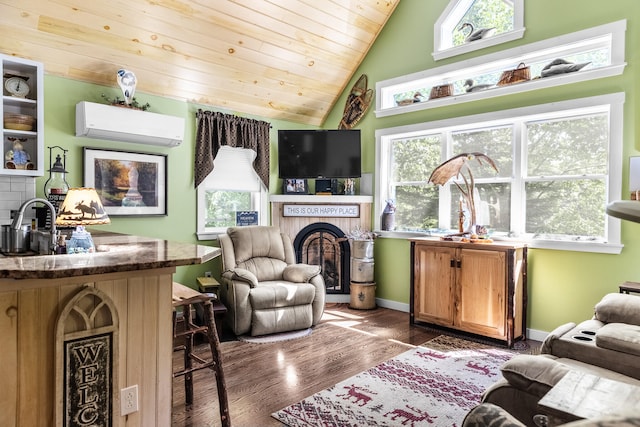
(263, 288)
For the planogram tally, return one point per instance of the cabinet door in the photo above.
(481, 305)
(434, 279)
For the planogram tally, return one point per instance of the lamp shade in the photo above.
(82, 206)
(625, 209)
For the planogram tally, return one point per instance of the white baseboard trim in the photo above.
(394, 305)
(532, 334)
(536, 335)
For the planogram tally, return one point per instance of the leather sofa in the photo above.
(263, 288)
(608, 345)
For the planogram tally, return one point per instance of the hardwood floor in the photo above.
(263, 378)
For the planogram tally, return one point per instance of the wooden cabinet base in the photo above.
(471, 288)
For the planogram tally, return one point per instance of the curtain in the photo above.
(213, 130)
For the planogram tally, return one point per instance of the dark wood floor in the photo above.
(263, 378)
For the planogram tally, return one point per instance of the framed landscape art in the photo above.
(129, 183)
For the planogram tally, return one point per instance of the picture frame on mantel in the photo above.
(294, 186)
(128, 183)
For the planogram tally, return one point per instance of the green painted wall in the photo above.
(61, 97)
(563, 286)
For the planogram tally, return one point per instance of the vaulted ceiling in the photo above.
(279, 59)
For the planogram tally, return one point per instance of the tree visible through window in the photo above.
(552, 182)
(496, 14)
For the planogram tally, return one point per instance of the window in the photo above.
(599, 50)
(553, 181)
(232, 187)
(505, 17)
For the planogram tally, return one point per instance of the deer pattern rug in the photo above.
(435, 384)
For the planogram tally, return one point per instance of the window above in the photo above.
(491, 22)
(601, 48)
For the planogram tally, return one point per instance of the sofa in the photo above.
(607, 345)
(262, 287)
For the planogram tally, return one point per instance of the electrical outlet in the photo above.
(207, 274)
(129, 400)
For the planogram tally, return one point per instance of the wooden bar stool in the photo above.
(184, 298)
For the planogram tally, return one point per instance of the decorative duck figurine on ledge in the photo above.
(561, 66)
(470, 87)
(480, 33)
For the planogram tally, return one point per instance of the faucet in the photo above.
(17, 221)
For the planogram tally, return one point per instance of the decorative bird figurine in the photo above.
(470, 87)
(561, 66)
(480, 33)
(127, 81)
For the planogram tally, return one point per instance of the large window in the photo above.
(553, 180)
(232, 187)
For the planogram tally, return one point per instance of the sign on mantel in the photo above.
(327, 211)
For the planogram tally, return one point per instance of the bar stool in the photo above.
(184, 297)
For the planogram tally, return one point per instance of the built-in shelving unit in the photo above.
(30, 161)
(603, 46)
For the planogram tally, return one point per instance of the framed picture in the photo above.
(295, 186)
(128, 183)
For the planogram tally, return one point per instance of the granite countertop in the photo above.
(114, 252)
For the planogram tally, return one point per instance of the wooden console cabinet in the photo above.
(476, 288)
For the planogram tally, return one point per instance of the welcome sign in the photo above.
(88, 387)
(86, 360)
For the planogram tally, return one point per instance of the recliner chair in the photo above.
(263, 288)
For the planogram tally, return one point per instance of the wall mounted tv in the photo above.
(319, 153)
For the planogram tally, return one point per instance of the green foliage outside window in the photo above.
(221, 207)
(496, 14)
(562, 181)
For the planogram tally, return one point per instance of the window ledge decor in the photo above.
(603, 46)
(455, 13)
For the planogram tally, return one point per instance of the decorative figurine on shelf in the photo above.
(127, 81)
(561, 66)
(388, 220)
(17, 157)
(470, 86)
(349, 186)
(455, 167)
(480, 33)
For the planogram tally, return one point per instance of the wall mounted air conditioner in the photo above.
(101, 121)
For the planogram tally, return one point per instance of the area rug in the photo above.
(435, 384)
(282, 336)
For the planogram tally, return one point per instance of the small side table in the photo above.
(628, 287)
(208, 285)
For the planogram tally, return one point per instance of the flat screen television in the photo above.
(323, 153)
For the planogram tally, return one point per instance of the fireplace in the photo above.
(317, 225)
(326, 245)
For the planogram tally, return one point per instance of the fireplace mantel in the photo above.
(312, 198)
(292, 225)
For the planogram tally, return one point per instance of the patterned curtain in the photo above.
(217, 129)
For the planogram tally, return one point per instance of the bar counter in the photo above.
(44, 299)
(114, 253)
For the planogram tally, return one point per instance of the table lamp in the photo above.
(625, 209)
(81, 207)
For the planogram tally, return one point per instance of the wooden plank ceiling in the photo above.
(280, 59)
